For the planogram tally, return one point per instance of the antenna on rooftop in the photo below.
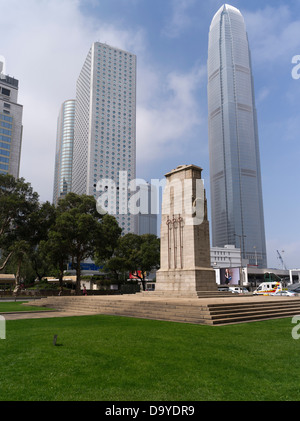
(2, 67)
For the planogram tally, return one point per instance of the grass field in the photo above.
(12, 306)
(105, 358)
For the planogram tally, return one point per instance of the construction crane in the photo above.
(281, 259)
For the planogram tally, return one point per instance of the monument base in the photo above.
(186, 281)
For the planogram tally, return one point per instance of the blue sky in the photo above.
(45, 43)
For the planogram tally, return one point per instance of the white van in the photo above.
(268, 288)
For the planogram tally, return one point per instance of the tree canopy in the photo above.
(72, 232)
(83, 231)
(18, 202)
(137, 254)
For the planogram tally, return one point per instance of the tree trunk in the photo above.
(17, 284)
(18, 273)
(78, 278)
(143, 282)
(60, 278)
(6, 261)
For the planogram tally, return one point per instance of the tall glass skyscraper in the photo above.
(235, 175)
(105, 129)
(64, 150)
(11, 128)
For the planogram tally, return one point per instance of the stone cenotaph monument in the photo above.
(185, 267)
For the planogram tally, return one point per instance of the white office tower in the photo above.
(236, 192)
(64, 150)
(11, 127)
(104, 156)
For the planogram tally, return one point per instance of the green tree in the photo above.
(55, 252)
(36, 231)
(109, 239)
(107, 245)
(20, 250)
(116, 266)
(83, 231)
(138, 254)
(17, 202)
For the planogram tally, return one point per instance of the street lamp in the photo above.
(255, 255)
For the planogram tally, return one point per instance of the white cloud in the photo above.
(180, 18)
(262, 95)
(170, 116)
(273, 33)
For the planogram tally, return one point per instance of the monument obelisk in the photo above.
(185, 267)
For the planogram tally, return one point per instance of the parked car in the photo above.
(238, 290)
(285, 294)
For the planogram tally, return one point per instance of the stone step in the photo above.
(255, 313)
(253, 317)
(187, 311)
(252, 307)
(155, 313)
(182, 294)
(136, 310)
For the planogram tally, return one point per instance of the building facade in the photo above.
(235, 175)
(226, 257)
(147, 218)
(64, 150)
(104, 156)
(11, 127)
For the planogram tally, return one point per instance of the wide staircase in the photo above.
(207, 311)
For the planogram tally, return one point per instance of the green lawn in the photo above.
(12, 306)
(103, 358)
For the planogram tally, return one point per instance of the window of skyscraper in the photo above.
(6, 91)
